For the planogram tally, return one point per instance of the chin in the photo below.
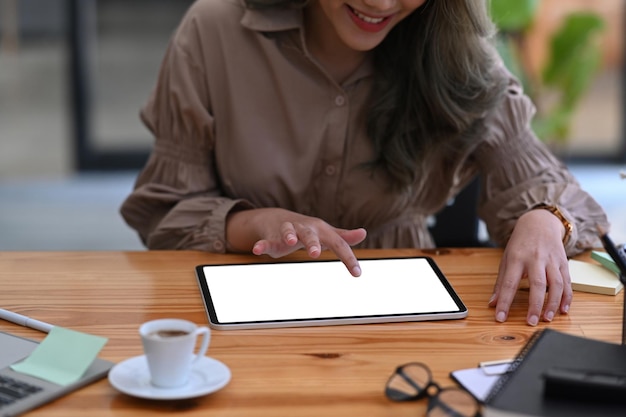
(364, 43)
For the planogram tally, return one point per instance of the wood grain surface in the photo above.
(292, 372)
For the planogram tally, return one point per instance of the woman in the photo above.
(282, 125)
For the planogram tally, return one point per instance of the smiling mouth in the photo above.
(367, 19)
(368, 23)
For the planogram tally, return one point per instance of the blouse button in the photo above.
(330, 170)
(340, 100)
(218, 245)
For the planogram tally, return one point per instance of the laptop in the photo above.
(20, 392)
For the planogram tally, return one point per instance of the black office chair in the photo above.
(457, 224)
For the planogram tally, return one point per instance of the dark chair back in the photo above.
(457, 224)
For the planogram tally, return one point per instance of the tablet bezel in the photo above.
(214, 323)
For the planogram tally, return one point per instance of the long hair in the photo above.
(435, 79)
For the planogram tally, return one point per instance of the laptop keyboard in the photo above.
(12, 390)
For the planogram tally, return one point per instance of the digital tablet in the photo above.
(321, 293)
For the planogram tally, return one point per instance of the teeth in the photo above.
(367, 18)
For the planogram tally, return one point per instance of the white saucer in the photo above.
(132, 377)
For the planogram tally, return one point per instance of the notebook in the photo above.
(20, 392)
(595, 386)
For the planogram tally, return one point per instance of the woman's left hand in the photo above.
(535, 251)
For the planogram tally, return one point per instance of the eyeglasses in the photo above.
(413, 381)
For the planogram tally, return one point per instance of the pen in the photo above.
(613, 252)
(498, 367)
(25, 321)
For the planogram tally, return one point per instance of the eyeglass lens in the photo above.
(409, 382)
(414, 381)
(453, 402)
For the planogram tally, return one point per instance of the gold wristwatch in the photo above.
(569, 228)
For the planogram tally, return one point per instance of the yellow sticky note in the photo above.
(588, 277)
(62, 357)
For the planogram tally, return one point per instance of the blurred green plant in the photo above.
(573, 59)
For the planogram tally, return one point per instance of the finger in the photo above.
(537, 281)
(496, 288)
(555, 291)
(506, 287)
(266, 247)
(288, 232)
(310, 239)
(342, 249)
(260, 247)
(275, 249)
(568, 294)
(352, 237)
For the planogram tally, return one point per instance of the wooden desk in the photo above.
(329, 371)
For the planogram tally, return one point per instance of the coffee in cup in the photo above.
(165, 333)
(169, 348)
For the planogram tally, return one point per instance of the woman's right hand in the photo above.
(278, 232)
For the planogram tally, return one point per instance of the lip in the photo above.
(371, 26)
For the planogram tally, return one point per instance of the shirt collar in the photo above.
(272, 20)
(280, 20)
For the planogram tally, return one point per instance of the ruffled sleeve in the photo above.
(519, 173)
(177, 201)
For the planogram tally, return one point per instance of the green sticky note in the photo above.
(605, 260)
(62, 357)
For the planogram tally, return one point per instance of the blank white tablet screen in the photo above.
(325, 289)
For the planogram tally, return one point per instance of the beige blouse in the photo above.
(244, 116)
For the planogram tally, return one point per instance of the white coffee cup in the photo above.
(169, 347)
